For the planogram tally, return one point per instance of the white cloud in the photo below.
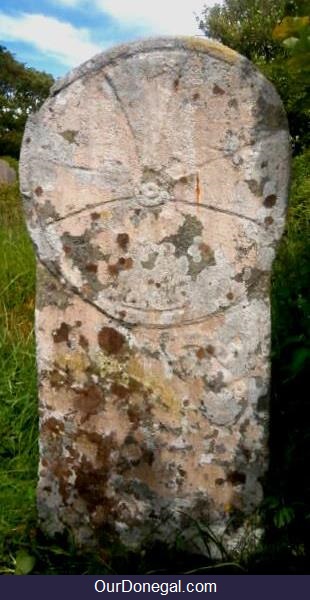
(171, 17)
(70, 45)
(60, 40)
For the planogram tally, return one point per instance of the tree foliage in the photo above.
(245, 25)
(276, 37)
(22, 90)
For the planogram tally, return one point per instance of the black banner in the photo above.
(225, 587)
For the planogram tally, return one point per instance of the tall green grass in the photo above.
(18, 395)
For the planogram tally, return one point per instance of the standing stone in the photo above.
(155, 181)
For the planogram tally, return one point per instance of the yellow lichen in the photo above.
(77, 363)
(111, 367)
(211, 47)
(136, 370)
(158, 387)
(105, 214)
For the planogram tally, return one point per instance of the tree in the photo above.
(291, 73)
(22, 90)
(275, 36)
(245, 25)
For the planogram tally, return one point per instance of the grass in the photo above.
(286, 510)
(18, 398)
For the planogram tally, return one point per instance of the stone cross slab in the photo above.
(154, 181)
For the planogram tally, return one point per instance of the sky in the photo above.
(57, 35)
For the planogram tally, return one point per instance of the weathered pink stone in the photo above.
(155, 180)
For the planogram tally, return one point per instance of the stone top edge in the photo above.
(189, 43)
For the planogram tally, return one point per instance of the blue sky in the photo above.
(57, 35)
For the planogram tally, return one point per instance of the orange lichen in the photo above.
(89, 399)
(197, 189)
(110, 340)
(200, 353)
(123, 240)
(38, 191)
(61, 334)
(270, 200)
(91, 268)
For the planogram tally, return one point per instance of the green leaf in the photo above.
(271, 502)
(300, 357)
(24, 563)
(284, 516)
(290, 42)
(58, 550)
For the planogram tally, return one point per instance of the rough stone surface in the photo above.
(7, 174)
(154, 180)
